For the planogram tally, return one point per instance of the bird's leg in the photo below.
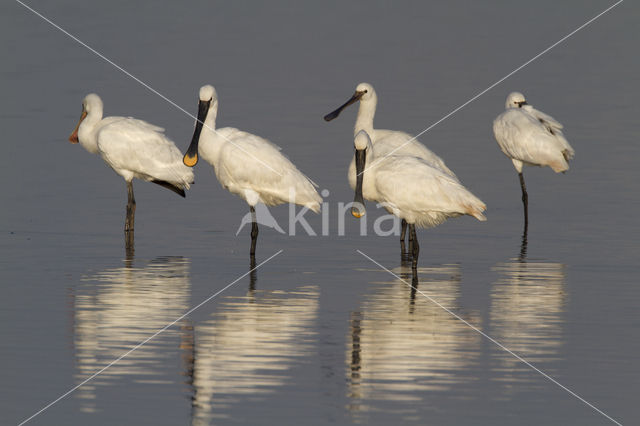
(411, 238)
(415, 249)
(525, 201)
(254, 231)
(404, 255)
(128, 245)
(404, 231)
(128, 222)
(131, 209)
(253, 277)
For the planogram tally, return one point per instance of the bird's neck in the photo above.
(87, 132)
(366, 112)
(211, 140)
(210, 120)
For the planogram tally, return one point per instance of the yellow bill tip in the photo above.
(189, 160)
(357, 214)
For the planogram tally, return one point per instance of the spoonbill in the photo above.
(387, 142)
(247, 165)
(532, 138)
(133, 149)
(409, 188)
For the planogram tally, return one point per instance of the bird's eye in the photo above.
(365, 90)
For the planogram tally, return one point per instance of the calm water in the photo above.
(319, 334)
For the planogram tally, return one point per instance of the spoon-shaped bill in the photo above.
(356, 97)
(357, 209)
(191, 157)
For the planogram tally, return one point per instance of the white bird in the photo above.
(387, 142)
(532, 138)
(133, 149)
(247, 165)
(409, 188)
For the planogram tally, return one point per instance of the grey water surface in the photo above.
(319, 334)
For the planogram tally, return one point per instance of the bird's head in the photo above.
(364, 92)
(515, 100)
(90, 104)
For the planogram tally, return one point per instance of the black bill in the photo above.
(356, 97)
(191, 157)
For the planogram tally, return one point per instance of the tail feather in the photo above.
(560, 166)
(568, 154)
(313, 206)
(476, 211)
(478, 215)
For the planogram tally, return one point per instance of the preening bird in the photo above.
(409, 188)
(386, 142)
(133, 149)
(247, 165)
(530, 138)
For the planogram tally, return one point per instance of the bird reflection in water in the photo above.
(118, 308)
(401, 346)
(526, 313)
(249, 347)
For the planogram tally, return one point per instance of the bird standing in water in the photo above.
(530, 138)
(247, 165)
(386, 142)
(133, 149)
(410, 188)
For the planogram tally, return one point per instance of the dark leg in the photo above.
(415, 249)
(129, 220)
(525, 201)
(254, 231)
(131, 209)
(253, 276)
(404, 230)
(411, 237)
(129, 246)
(410, 240)
(404, 255)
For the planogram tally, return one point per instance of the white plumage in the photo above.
(410, 188)
(133, 149)
(247, 165)
(532, 138)
(387, 142)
